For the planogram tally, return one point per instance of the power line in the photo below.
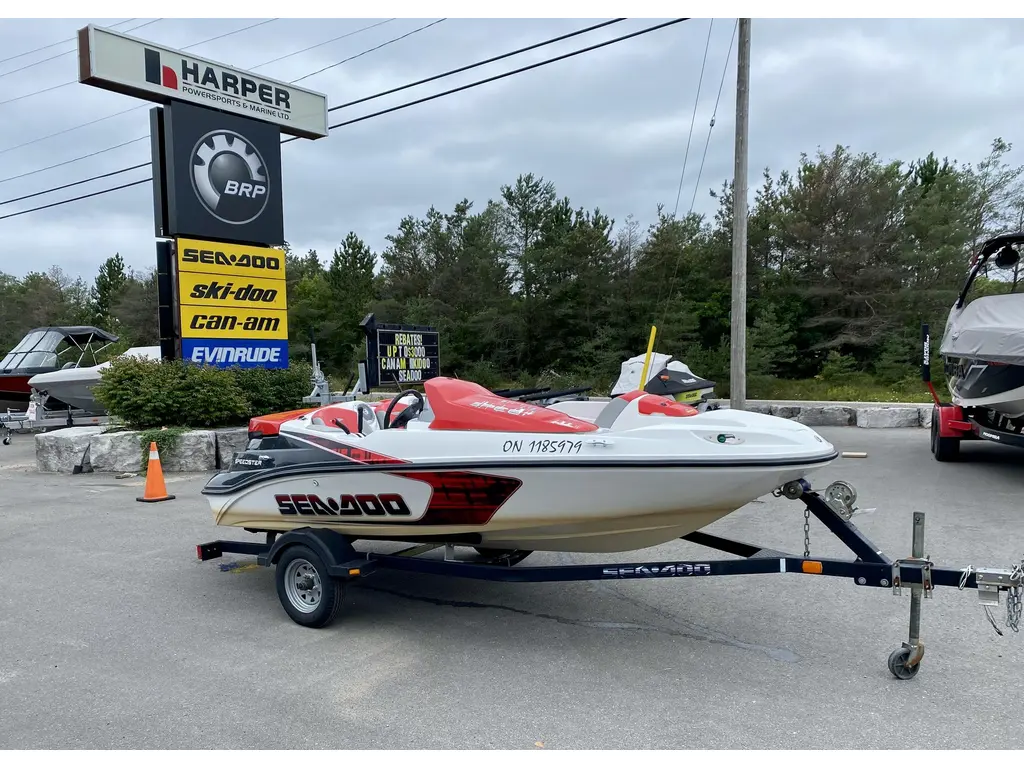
(193, 45)
(696, 186)
(370, 50)
(527, 68)
(61, 55)
(383, 112)
(693, 117)
(68, 162)
(325, 42)
(76, 183)
(468, 67)
(76, 199)
(388, 92)
(143, 138)
(59, 42)
(143, 106)
(714, 113)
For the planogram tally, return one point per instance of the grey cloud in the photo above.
(609, 127)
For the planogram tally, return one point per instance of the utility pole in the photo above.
(738, 357)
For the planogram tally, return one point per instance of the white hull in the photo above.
(75, 390)
(1009, 403)
(557, 509)
(74, 385)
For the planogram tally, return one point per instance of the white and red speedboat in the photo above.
(462, 465)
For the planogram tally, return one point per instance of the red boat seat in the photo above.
(650, 404)
(463, 405)
(329, 413)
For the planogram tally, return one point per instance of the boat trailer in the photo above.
(314, 565)
(38, 418)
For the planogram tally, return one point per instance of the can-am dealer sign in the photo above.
(134, 67)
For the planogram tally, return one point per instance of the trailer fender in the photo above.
(333, 547)
(951, 421)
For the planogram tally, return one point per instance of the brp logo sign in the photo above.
(229, 177)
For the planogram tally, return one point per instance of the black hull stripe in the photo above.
(261, 476)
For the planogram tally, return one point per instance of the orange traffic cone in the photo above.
(156, 490)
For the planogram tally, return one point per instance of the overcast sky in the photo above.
(609, 128)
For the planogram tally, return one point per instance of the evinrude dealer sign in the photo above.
(125, 64)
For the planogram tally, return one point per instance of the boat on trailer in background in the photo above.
(983, 354)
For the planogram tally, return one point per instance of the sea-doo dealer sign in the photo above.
(118, 62)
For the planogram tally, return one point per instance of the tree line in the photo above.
(847, 256)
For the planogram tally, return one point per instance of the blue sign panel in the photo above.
(245, 353)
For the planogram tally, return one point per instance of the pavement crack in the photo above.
(777, 654)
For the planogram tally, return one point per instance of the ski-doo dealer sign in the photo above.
(118, 62)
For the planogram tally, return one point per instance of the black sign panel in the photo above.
(400, 355)
(221, 176)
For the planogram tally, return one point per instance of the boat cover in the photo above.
(631, 370)
(990, 328)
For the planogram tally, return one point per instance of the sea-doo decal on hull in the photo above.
(370, 504)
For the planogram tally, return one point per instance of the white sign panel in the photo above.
(117, 62)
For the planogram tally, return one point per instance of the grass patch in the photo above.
(856, 388)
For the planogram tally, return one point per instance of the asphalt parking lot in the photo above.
(113, 635)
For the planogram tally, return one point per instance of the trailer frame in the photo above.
(313, 566)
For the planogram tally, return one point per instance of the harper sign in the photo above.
(118, 62)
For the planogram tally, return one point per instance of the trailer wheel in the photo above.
(943, 448)
(309, 595)
(508, 557)
(898, 664)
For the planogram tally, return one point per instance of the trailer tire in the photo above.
(943, 448)
(309, 595)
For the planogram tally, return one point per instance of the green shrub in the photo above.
(838, 367)
(272, 391)
(148, 394)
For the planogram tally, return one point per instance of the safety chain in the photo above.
(807, 532)
(1014, 597)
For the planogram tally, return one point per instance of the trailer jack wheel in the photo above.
(899, 663)
(309, 595)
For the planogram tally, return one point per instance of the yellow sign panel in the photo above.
(212, 290)
(226, 259)
(231, 323)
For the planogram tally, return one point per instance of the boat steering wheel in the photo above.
(407, 415)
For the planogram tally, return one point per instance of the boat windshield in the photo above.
(36, 350)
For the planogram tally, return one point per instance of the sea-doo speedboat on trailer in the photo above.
(465, 465)
(983, 351)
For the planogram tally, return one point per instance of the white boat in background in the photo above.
(74, 385)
